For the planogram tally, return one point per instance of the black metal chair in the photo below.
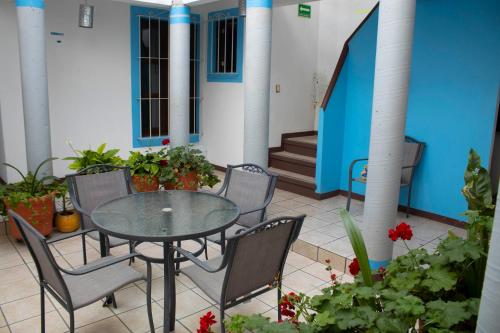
(252, 264)
(93, 186)
(412, 154)
(251, 187)
(82, 286)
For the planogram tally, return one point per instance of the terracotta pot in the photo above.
(145, 183)
(189, 182)
(39, 212)
(67, 221)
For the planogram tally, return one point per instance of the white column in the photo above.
(390, 99)
(179, 74)
(257, 74)
(490, 297)
(31, 34)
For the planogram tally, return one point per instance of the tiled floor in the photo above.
(323, 236)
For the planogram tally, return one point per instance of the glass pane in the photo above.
(215, 45)
(155, 78)
(155, 117)
(145, 132)
(164, 117)
(163, 39)
(144, 78)
(164, 78)
(144, 35)
(154, 38)
(192, 36)
(221, 52)
(192, 115)
(191, 78)
(235, 45)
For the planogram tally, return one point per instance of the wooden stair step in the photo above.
(303, 145)
(295, 182)
(301, 164)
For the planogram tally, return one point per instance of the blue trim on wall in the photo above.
(260, 3)
(31, 3)
(135, 12)
(376, 264)
(179, 20)
(225, 77)
(180, 10)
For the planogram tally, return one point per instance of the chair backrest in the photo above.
(256, 257)
(250, 187)
(46, 266)
(89, 190)
(412, 153)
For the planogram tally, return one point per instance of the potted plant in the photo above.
(185, 168)
(32, 198)
(88, 157)
(145, 169)
(67, 220)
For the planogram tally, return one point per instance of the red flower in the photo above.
(327, 261)
(163, 163)
(165, 142)
(286, 306)
(206, 321)
(402, 231)
(354, 267)
(333, 277)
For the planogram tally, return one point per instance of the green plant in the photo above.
(182, 160)
(29, 187)
(88, 157)
(147, 164)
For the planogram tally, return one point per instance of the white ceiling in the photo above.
(161, 3)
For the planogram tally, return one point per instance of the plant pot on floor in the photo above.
(67, 221)
(145, 183)
(39, 212)
(189, 182)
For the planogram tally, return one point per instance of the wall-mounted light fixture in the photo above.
(86, 16)
(242, 4)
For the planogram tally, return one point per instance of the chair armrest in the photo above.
(264, 206)
(70, 235)
(200, 263)
(91, 268)
(79, 209)
(351, 167)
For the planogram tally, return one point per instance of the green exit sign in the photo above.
(304, 10)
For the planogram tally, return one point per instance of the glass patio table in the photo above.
(166, 217)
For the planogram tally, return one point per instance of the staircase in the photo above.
(295, 163)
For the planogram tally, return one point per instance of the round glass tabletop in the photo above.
(165, 216)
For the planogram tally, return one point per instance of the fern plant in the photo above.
(89, 157)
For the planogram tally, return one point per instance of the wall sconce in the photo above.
(86, 16)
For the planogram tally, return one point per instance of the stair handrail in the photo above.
(342, 59)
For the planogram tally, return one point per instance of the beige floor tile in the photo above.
(316, 238)
(336, 261)
(23, 251)
(336, 230)
(109, 325)
(289, 269)
(179, 328)
(204, 295)
(3, 322)
(319, 270)
(192, 322)
(298, 260)
(331, 203)
(307, 200)
(54, 324)
(139, 265)
(23, 287)
(329, 217)
(76, 259)
(157, 288)
(70, 245)
(25, 308)
(89, 314)
(271, 297)
(188, 303)
(430, 230)
(137, 319)
(271, 314)
(128, 299)
(275, 208)
(305, 249)
(253, 306)
(398, 251)
(309, 210)
(4, 329)
(10, 259)
(185, 281)
(285, 194)
(340, 246)
(301, 281)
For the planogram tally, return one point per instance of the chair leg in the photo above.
(222, 242)
(279, 300)
(71, 321)
(84, 246)
(349, 195)
(222, 328)
(408, 203)
(148, 297)
(42, 308)
(206, 249)
(131, 248)
(177, 256)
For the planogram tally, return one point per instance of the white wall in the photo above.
(89, 78)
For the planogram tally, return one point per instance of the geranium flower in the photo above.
(165, 142)
(163, 163)
(402, 231)
(206, 322)
(354, 267)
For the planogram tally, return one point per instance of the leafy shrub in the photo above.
(88, 157)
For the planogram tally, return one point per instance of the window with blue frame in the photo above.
(225, 46)
(150, 76)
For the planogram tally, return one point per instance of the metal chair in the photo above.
(82, 286)
(251, 187)
(93, 186)
(412, 154)
(252, 265)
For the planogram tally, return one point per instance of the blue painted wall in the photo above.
(452, 103)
